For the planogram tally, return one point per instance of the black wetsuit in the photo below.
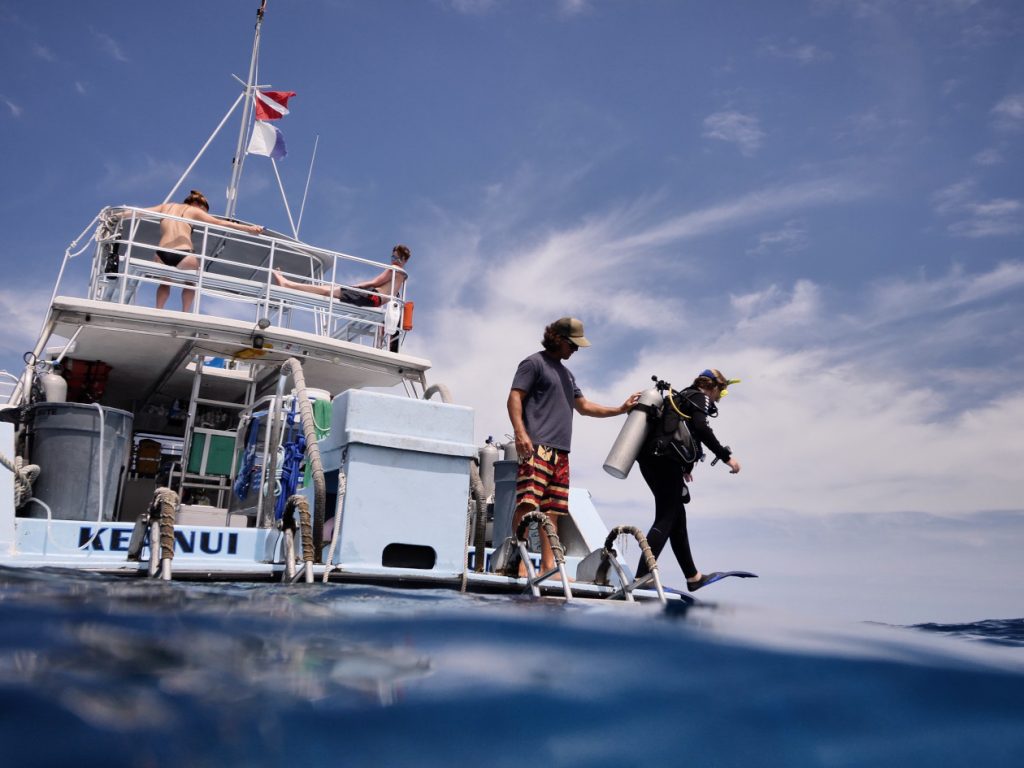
(664, 476)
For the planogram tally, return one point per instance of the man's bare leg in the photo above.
(319, 290)
(517, 518)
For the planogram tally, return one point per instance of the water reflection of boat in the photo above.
(248, 439)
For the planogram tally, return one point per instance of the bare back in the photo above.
(176, 234)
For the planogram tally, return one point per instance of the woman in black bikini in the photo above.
(175, 249)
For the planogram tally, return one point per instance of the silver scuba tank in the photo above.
(54, 386)
(631, 437)
(488, 455)
(511, 454)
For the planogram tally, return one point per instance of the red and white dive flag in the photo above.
(272, 105)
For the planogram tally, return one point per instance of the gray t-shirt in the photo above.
(548, 403)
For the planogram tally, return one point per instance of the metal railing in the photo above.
(239, 267)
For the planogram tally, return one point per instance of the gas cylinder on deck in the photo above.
(488, 455)
(55, 387)
(631, 437)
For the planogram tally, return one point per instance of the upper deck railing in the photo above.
(236, 277)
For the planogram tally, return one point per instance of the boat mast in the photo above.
(250, 87)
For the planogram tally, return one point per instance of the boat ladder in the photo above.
(595, 567)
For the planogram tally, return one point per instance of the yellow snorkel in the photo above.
(729, 382)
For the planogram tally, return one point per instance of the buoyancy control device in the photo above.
(670, 435)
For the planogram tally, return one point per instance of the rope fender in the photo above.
(305, 523)
(312, 457)
(24, 476)
(645, 549)
(548, 529)
(165, 502)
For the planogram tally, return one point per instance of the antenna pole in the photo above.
(284, 197)
(236, 167)
(305, 192)
(201, 151)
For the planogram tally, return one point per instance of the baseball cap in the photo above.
(572, 329)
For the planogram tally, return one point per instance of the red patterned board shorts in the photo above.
(542, 482)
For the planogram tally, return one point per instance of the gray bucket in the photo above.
(66, 448)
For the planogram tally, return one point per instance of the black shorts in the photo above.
(171, 259)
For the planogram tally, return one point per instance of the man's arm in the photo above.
(586, 408)
(524, 445)
(384, 280)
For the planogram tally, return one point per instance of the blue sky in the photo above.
(824, 198)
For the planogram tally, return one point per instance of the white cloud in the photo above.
(16, 110)
(1009, 113)
(771, 313)
(803, 53)
(572, 7)
(770, 201)
(790, 238)
(473, 6)
(566, 7)
(976, 217)
(80, 88)
(23, 309)
(988, 157)
(140, 175)
(834, 412)
(109, 45)
(898, 298)
(734, 127)
(42, 52)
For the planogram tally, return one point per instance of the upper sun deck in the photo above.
(103, 307)
(236, 280)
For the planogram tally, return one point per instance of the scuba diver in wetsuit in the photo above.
(667, 458)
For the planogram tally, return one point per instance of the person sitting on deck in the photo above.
(370, 293)
(177, 236)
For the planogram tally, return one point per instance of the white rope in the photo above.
(24, 476)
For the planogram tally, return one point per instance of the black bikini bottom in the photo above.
(170, 259)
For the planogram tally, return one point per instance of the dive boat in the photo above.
(269, 433)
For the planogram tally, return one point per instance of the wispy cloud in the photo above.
(899, 298)
(140, 176)
(790, 238)
(80, 88)
(976, 217)
(24, 308)
(1009, 112)
(109, 45)
(565, 7)
(473, 6)
(16, 111)
(987, 157)
(42, 52)
(771, 201)
(771, 312)
(802, 359)
(736, 128)
(803, 53)
(572, 7)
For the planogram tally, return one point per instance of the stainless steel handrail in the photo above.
(329, 315)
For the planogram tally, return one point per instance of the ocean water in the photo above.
(115, 672)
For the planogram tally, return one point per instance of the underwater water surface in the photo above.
(121, 672)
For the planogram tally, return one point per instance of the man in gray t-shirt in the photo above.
(540, 405)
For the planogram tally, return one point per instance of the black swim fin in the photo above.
(711, 578)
